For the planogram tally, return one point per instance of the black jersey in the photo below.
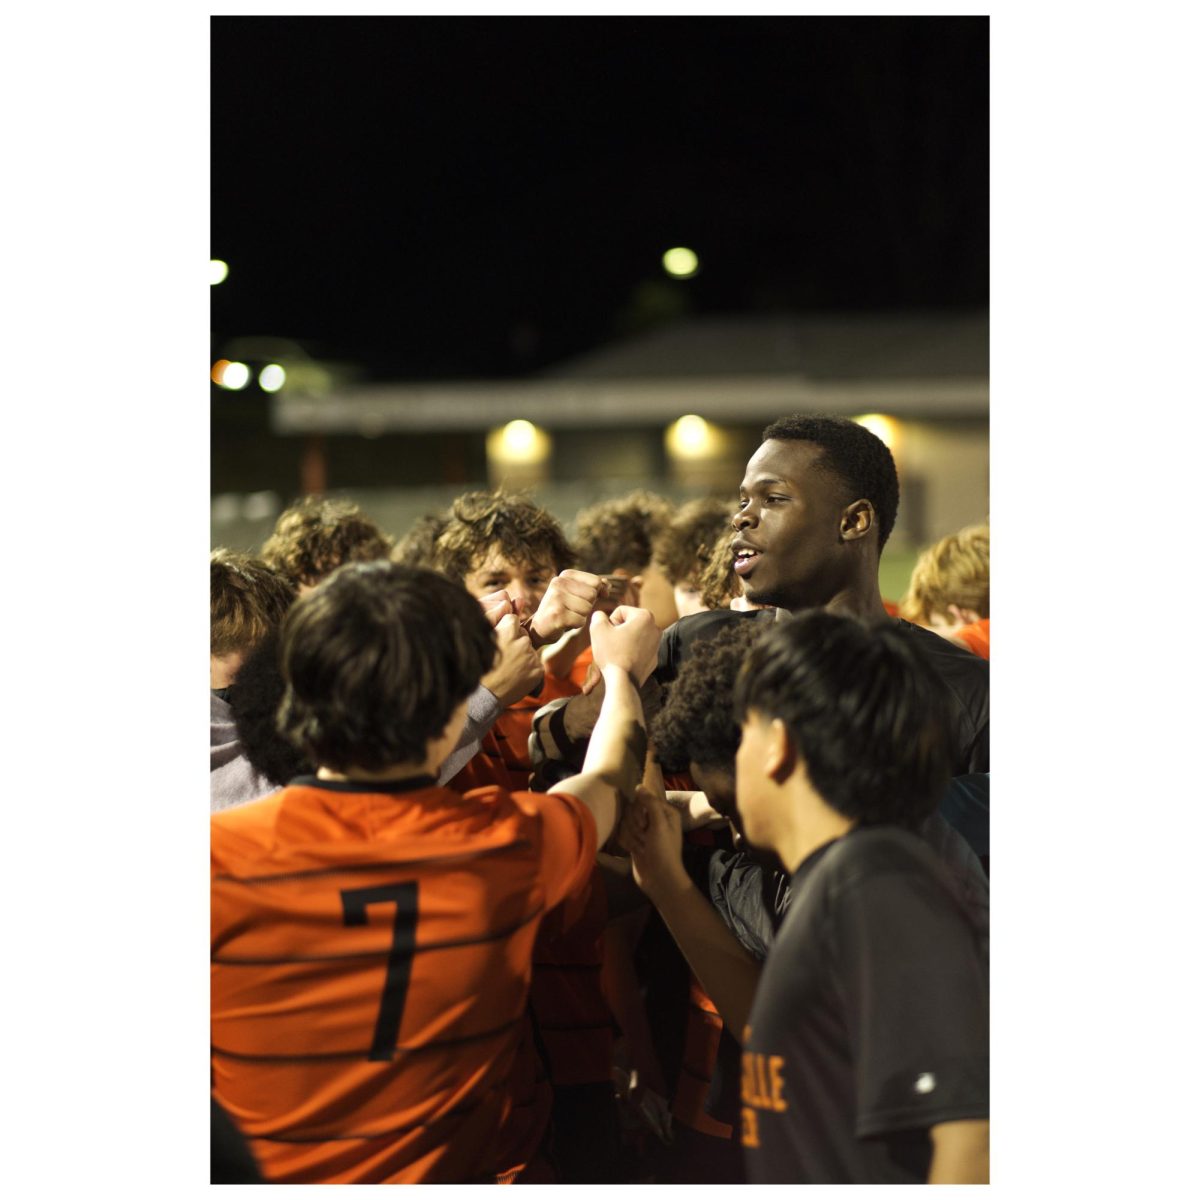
(870, 1023)
(965, 674)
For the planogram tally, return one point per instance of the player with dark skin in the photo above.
(801, 540)
(796, 544)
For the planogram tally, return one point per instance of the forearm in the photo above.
(695, 810)
(560, 658)
(482, 710)
(562, 728)
(617, 747)
(615, 753)
(961, 1152)
(725, 970)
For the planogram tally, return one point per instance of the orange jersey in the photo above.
(976, 637)
(573, 1018)
(579, 668)
(503, 758)
(371, 961)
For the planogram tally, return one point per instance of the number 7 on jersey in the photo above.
(399, 963)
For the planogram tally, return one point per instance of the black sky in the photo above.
(466, 196)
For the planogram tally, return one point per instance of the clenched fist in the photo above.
(569, 601)
(628, 639)
(518, 668)
(496, 605)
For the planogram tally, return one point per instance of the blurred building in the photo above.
(677, 410)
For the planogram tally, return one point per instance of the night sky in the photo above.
(469, 196)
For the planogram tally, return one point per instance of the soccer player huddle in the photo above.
(658, 855)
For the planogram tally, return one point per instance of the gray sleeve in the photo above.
(482, 710)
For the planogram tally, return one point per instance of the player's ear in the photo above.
(858, 519)
(780, 759)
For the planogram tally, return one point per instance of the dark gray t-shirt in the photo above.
(870, 1023)
(964, 674)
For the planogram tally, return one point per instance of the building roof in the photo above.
(723, 368)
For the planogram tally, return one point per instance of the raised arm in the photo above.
(653, 834)
(617, 748)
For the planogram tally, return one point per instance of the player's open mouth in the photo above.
(744, 560)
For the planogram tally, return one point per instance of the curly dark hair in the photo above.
(375, 661)
(687, 544)
(620, 534)
(480, 522)
(255, 699)
(719, 582)
(247, 599)
(865, 711)
(416, 547)
(696, 722)
(852, 453)
(317, 534)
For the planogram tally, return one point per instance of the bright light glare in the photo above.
(690, 437)
(519, 442)
(272, 377)
(218, 370)
(218, 271)
(883, 427)
(235, 376)
(681, 262)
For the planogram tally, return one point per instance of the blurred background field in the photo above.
(452, 253)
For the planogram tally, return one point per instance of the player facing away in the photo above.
(372, 932)
(865, 1057)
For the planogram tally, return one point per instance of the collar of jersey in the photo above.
(416, 783)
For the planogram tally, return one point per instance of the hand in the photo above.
(567, 604)
(518, 668)
(629, 639)
(496, 605)
(652, 833)
(618, 589)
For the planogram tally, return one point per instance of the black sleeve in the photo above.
(668, 655)
(750, 897)
(916, 1004)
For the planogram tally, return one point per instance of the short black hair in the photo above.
(375, 661)
(255, 699)
(854, 454)
(695, 724)
(866, 713)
